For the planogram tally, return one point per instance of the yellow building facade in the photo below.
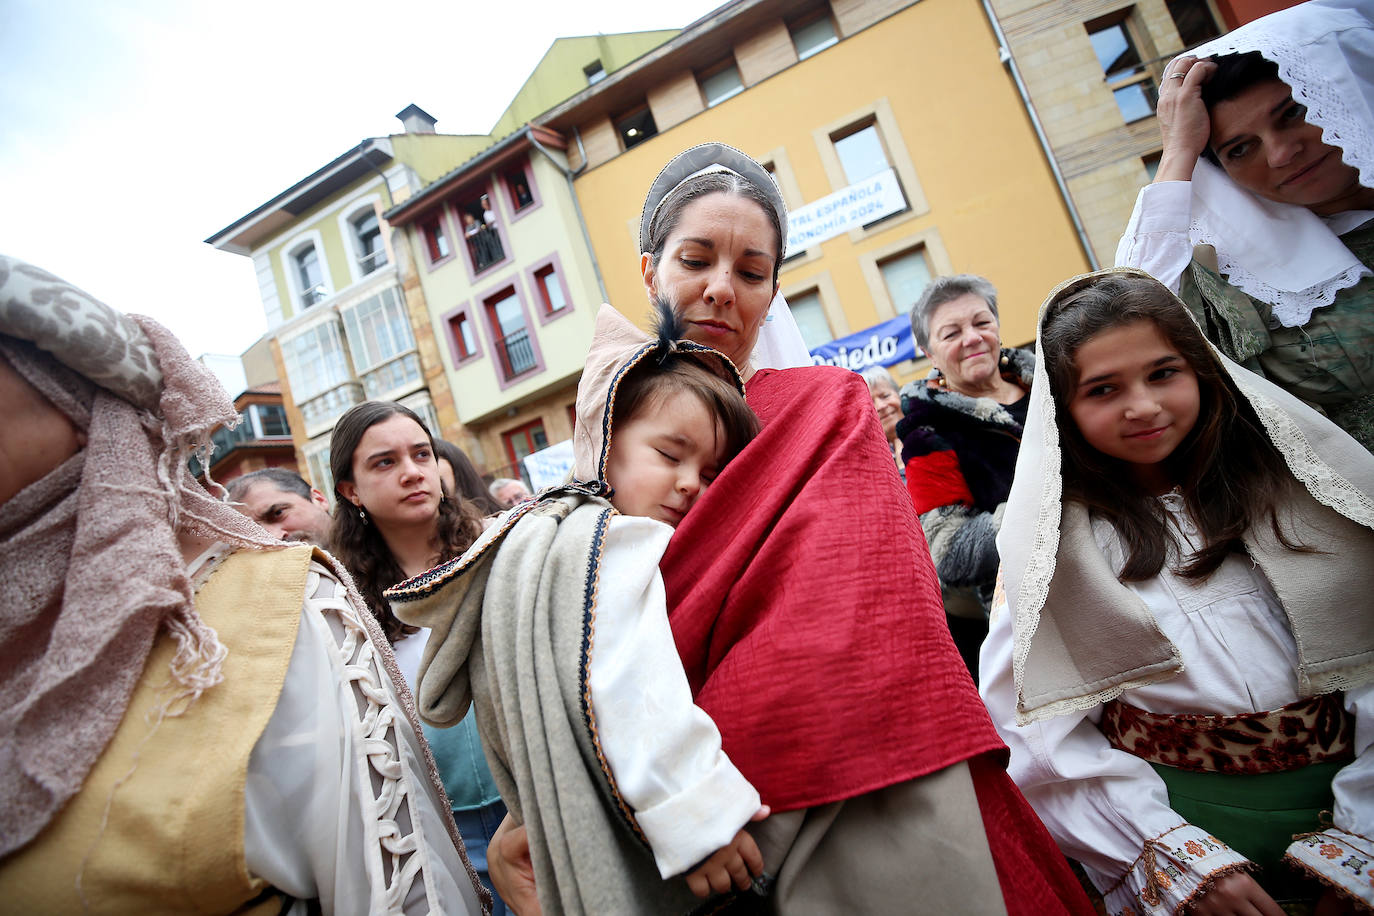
(828, 95)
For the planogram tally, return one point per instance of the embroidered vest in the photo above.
(172, 841)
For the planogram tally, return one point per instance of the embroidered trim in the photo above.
(593, 583)
(1330, 857)
(1312, 730)
(1147, 855)
(395, 858)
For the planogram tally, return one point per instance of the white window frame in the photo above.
(287, 260)
(351, 211)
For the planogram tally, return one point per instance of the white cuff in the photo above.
(690, 825)
(1185, 861)
(1339, 859)
(1165, 207)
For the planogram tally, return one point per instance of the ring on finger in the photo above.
(1177, 76)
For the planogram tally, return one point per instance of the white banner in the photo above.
(549, 466)
(846, 209)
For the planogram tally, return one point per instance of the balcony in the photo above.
(485, 249)
(516, 352)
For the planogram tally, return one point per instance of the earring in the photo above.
(939, 378)
(362, 514)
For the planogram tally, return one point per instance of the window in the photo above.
(1151, 164)
(524, 440)
(905, 275)
(1123, 67)
(594, 72)
(1194, 21)
(548, 287)
(460, 329)
(269, 421)
(381, 341)
(318, 370)
(480, 234)
(436, 239)
(518, 186)
(315, 361)
(862, 155)
(309, 276)
(513, 346)
(367, 237)
(720, 83)
(636, 127)
(810, 317)
(320, 476)
(812, 36)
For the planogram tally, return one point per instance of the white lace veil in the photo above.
(1280, 253)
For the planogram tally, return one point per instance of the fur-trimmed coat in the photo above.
(960, 454)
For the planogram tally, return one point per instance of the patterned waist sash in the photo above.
(1313, 730)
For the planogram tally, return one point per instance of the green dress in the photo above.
(1328, 362)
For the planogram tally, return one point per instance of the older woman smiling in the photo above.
(960, 437)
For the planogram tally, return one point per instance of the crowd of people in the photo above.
(1097, 642)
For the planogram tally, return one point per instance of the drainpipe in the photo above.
(568, 175)
(1004, 52)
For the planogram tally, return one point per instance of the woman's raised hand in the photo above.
(1183, 122)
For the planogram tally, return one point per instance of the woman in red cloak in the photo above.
(814, 636)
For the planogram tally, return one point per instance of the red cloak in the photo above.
(808, 616)
(807, 611)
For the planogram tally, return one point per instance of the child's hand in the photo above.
(735, 863)
(1235, 893)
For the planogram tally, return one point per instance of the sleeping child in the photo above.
(554, 625)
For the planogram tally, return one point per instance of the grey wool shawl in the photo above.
(1081, 637)
(513, 624)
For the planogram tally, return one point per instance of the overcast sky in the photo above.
(132, 130)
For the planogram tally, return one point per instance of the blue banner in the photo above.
(883, 344)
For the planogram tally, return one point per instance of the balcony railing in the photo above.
(517, 353)
(484, 246)
(372, 260)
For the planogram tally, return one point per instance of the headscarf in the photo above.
(779, 344)
(618, 347)
(1081, 638)
(1284, 254)
(93, 570)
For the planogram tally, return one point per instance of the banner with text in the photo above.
(549, 466)
(883, 344)
(846, 209)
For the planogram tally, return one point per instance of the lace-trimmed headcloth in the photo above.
(780, 344)
(1081, 638)
(1279, 253)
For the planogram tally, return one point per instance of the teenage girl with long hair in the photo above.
(394, 520)
(1181, 654)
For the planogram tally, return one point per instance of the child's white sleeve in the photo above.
(1343, 854)
(664, 752)
(1101, 805)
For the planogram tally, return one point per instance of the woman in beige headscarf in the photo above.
(1182, 658)
(198, 715)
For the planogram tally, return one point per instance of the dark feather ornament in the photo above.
(668, 329)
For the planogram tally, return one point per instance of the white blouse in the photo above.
(1102, 804)
(338, 804)
(1156, 238)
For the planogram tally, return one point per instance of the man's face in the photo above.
(287, 515)
(511, 494)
